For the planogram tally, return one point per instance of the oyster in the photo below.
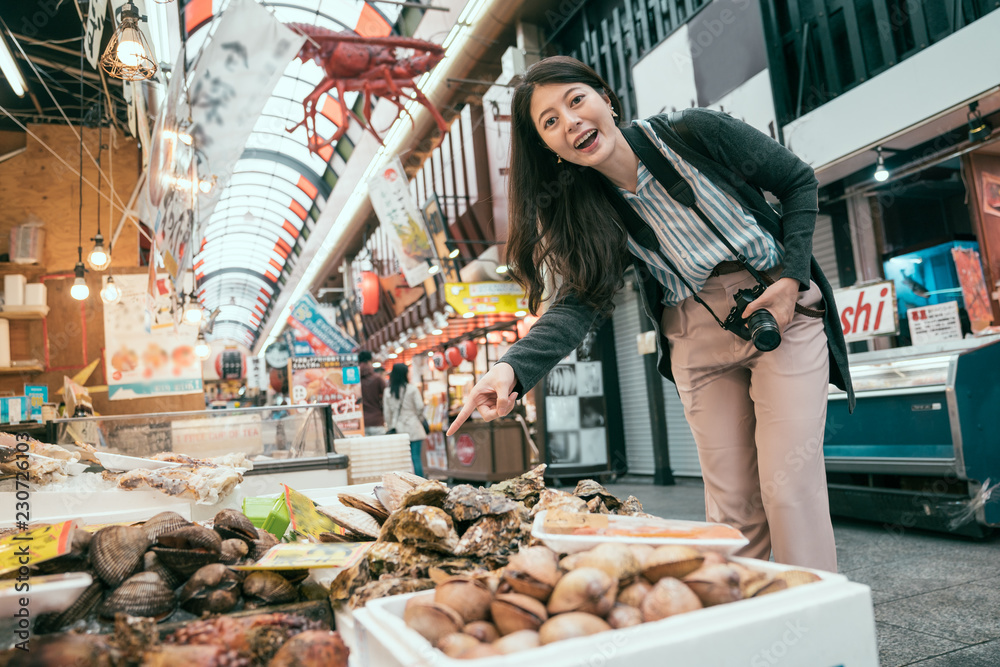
(589, 489)
(466, 503)
(490, 535)
(394, 558)
(365, 503)
(553, 499)
(525, 488)
(143, 594)
(632, 507)
(214, 589)
(385, 587)
(425, 527)
(264, 587)
(116, 551)
(431, 492)
(348, 581)
(352, 519)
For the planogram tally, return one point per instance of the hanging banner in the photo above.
(486, 298)
(970, 277)
(402, 221)
(307, 315)
(437, 227)
(96, 16)
(140, 363)
(333, 380)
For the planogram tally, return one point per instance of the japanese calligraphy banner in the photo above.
(139, 364)
(95, 30)
(402, 221)
(307, 315)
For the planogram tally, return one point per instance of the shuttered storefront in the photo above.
(632, 381)
(824, 250)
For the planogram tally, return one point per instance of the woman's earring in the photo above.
(558, 159)
(613, 114)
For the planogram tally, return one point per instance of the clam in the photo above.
(432, 620)
(214, 589)
(522, 640)
(617, 560)
(715, 584)
(116, 551)
(151, 563)
(232, 524)
(484, 631)
(187, 549)
(469, 596)
(466, 503)
(669, 597)
(671, 561)
(456, 643)
(781, 581)
(567, 626)
(264, 587)
(586, 589)
(430, 492)
(143, 594)
(79, 609)
(312, 648)
(233, 551)
(624, 616)
(481, 651)
(164, 522)
(532, 571)
(425, 527)
(641, 552)
(262, 544)
(513, 612)
(633, 594)
(365, 503)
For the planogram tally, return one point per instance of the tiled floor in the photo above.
(936, 597)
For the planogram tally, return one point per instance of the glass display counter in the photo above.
(923, 438)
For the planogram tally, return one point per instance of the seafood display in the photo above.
(538, 598)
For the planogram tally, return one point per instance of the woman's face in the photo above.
(575, 122)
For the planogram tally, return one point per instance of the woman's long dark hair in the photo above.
(397, 379)
(559, 216)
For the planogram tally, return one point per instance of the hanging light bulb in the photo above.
(98, 259)
(202, 349)
(881, 173)
(127, 56)
(193, 311)
(79, 290)
(111, 293)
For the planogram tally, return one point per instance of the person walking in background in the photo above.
(404, 411)
(372, 389)
(679, 198)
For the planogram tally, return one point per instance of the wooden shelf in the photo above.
(24, 312)
(15, 370)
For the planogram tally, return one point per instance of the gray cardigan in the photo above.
(743, 162)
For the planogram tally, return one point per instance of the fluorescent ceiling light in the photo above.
(10, 70)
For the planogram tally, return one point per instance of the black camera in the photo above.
(760, 327)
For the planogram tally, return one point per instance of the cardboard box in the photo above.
(825, 624)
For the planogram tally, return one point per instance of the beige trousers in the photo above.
(758, 420)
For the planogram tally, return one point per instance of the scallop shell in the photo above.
(352, 519)
(143, 594)
(431, 492)
(116, 551)
(164, 522)
(365, 503)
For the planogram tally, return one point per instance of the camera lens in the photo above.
(764, 331)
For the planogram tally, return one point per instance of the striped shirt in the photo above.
(687, 241)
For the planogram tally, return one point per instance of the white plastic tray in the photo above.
(122, 463)
(52, 593)
(568, 544)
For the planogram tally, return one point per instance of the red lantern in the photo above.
(230, 365)
(438, 361)
(468, 350)
(369, 290)
(454, 356)
(494, 338)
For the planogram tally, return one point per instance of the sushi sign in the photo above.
(868, 310)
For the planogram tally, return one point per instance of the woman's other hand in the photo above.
(491, 396)
(779, 300)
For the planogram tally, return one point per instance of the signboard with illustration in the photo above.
(141, 361)
(334, 380)
(402, 221)
(486, 298)
(324, 337)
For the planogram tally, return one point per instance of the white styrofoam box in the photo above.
(824, 624)
(95, 507)
(35, 294)
(13, 289)
(371, 457)
(4, 343)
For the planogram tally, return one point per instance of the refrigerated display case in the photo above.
(923, 441)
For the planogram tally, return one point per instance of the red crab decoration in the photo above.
(368, 65)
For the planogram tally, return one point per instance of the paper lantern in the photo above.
(453, 356)
(439, 362)
(230, 365)
(468, 350)
(369, 290)
(494, 338)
